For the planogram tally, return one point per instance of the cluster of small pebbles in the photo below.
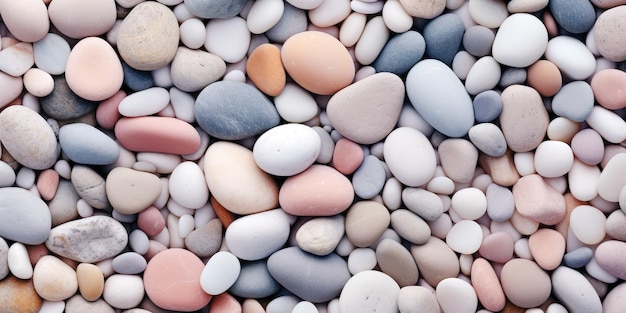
(313, 156)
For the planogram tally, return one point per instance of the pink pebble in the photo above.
(537, 200)
(588, 146)
(157, 134)
(151, 221)
(318, 191)
(225, 303)
(154, 248)
(497, 247)
(487, 285)
(47, 184)
(611, 256)
(347, 156)
(172, 281)
(547, 247)
(106, 113)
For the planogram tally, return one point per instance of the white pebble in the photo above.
(366, 7)
(330, 12)
(587, 224)
(203, 215)
(553, 158)
(235, 76)
(361, 259)
(193, 33)
(372, 41)
(161, 201)
(264, 14)
(520, 41)
(392, 194)
(183, 104)
(465, 262)
(38, 82)
(305, 5)
(352, 28)
(465, 237)
(25, 178)
(571, 56)
(139, 241)
(608, 124)
(228, 38)
(594, 270)
(52, 307)
(63, 168)
(165, 163)
(562, 129)
(84, 209)
(18, 261)
(123, 291)
(524, 163)
(162, 77)
(470, 203)
(396, 18)
(146, 102)
(7, 175)
(611, 180)
(220, 273)
(182, 13)
(304, 307)
(187, 185)
(522, 250)
(287, 149)
(282, 304)
(583, 180)
(176, 241)
(456, 295)
(186, 225)
(483, 75)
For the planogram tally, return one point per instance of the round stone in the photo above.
(400, 53)
(369, 291)
(53, 279)
(220, 273)
(123, 291)
(130, 191)
(465, 237)
(553, 158)
(287, 150)
(520, 41)
(525, 283)
(456, 295)
(413, 165)
(365, 222)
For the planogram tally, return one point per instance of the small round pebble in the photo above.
(520, 41)
(456, 295)
(123, 291)
(287, 150)
(220, 273)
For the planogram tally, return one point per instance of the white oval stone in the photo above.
(587, 224)
(361, 259)
(220, 273)
(187, 185)
(192, 33)
(465, 237)
(571, 56)
(7, 175)
(321, 235)
(146, 102)
(123, 291)
(553, 158)
(583, 180)
(484, 75)
(295, 105)
(256, 236)
(18, 261)
(264, 14)
(608, 124)
(352, 28)
(520, 41)
(372, 41)
(612, 180)
(369, 291)
(575, 291)
(396, 18)
(287, 149)
(412, 164)
(469, 203)
(228, 38)
(456, 295)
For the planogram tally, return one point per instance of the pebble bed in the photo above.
(310, 156)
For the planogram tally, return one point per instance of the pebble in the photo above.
(17, 59)
(321, 235)
(265, 69)
(483, 76)
(225, 101)
(553, 158)
(347, 156)
(413, 299)
(90, 281)
(85, 144)
(608, 124)
(369, 291)
(465, 237)
(606, 34)
(487, 106)
(130, 191)
(424, 203)
(575, 17)
(74, 239)
(545, 77)
(361, 259)
(458, 158)
(287, 150)
(7, 175)
(145, 102)
(53, 279)
(38, 83)
(397, 262)
(424, 10)
(329, 13)
(365, 222)
(489, 139)
(63, 207)
(157, 134)
(27, 20)
(257, 236)
(14, 87)
(221, 35)
(605, 85)
(192, 70)
(412, 165)
(574, 101)
(293, 21)
(77, 304)
(63, 103)
(318, 191)
(254, 281)
(487, 285)
(295, 105)
(524, 283)
(443, 37)
(264, 15)
(410, 227)
(187, 185)
(609, 183)
(536, 199)
(462, 63)
(578, 257)
(524, 119)
(477, 40)
(19, 295)
(26, 217)
(547, 247)
(305, 53)
(372, 41)
(129, 263)
(400, 53)
(520, 41)
(435, 261)
(192, 33)
(456, 295)
(575, 291)
(206, 240)
(51, 53)
(77, 19)
(587, 224)
(18, 262)
(220, 273)
(369, 179)
(609, 256)
(179, 268)
(156, 27)
(500, 202)
(212, 9)
(123, 291)
(136, 80)
(497, 247)
(571, 56)
(325, 276)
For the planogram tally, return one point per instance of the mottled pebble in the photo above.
(524, 119)
(17, 295)
(63, 103)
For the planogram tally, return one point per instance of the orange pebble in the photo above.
(545, 77)
(47, 184)
(225, 216)
(90, 281)
(265, 69)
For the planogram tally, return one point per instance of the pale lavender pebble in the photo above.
(293, 21)
(487, 106)
(512, 76)
(588, 146)
(369, 179)
(578, 258)
(254, 281)
(129, 263)
(478, 40)
(574, 101)
(500, 203)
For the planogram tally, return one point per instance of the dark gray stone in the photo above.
(136, 80)
(487, 106)
(368, 180)
(578, 257)
(443, 37)
(575, 16)
(215, 8)
(574, 101)
(400, 53)
(310, 277)
(292, 22)
(254, 281)
(205, 240)
(63, 104)
(232, 110)
(478, 40)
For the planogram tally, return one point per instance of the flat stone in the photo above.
(51, 53)
(76, 239)
(397, 262)
(574, 101)
(157, 134)
(578, 258)
(26, 217)
(265, 69)
(524, 119)
(192, 70)
(487, 106)
(83, 143)
(477, 40)
(412, 165)
(130, 191)
(220, 273)
(422, 202)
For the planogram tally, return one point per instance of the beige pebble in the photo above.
(130, 191)
(365, 222)
(524, 118)
(193, 70)
(19, 295)
(501, 169)
(525, 283)
(609, 36)
(435, 260)
(423, 8)
(547, 247)
(38, 83)
(536, 199)
(90, 281)
(54, 280)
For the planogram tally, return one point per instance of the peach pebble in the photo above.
(47, 184)
(157, 134)
(265, 69)
(547, 247)
(497, 247)
(545, 77)
(107, 113)
(609, 88)
(347, 156)
(151, 221)
(90, 281)
(225, 216)
(38, 83)
(487, 285)
(225, 303)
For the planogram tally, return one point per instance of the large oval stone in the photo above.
(25, 217)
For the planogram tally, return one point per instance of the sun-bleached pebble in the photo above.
(401, 159)
(520, 41)
(353, 299)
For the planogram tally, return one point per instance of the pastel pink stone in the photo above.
(547, 247)
(487, 285)
(93, 70)
(537, 200)
(157, 134)
(497, 247)
(347, 156)
(151, 221)
(608, 88)
(27, 20)
(318, 191)
(106, 113)
(225, 303)
(611, 256)
(47, 184)
(172, 281)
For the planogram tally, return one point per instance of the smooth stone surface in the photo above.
(575, 291)
(366, 221)
(520, 41)
(51, 53)
(63, 103)
(524, 283)
(325, 276)
(574, 101)
(19, 295)
(145, 102)
(210, 9)
(254, 281)
(26, 217)
(14, 87)
(400, 53)
(613, 301)
(295, 105)
(553, 158)
(320, 236)
(4, 259)
(123, 291)
(75, 239)
(458, 158)
(413, 299)
(293, 21)
(90, 281)
(424, 85)
(19, 127)
(130, 191)
(287, 150)
(573, 16)
(369, 291)
(422, 202)
(412, 165)
(235, 180)
(187, 185)
(347, 156)
(524, 119)
(456, 295)
(206, 240)
(547, 247)
(26, 20)
(487, 285)
(497, 247)
(487, 106)
(465, 237)
(136, 80)
(397, 262)
(435, 261)
(545, 77)
(443, 36)
(172, 281)
(228, 38)
(610, 183)
(265, 69)
(609, 256)
(220, 273)
(157, 134)
(489, 139)
(219, 106)
(304, 54)
(129, 263)
(257, 236)
(571, 56)
(77, 304)
(477, 40)
(587, 224)
(155, 26)
(192, 70)
(608, 38)
(536, 199)
(605, 85)
(15, 60)
(608, 124)
(483, 76)
(53, 279)
(409, 226)
(77, 19)
(368, 180)
(578, 258)
(85, 144)
(367, 110)
(318, 191)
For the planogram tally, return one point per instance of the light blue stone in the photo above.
(369, 179)
(443, 37)
(85, 144)
(578, 257)
(25, 217)
(440, 98)
(254, 281)
(575, 16)
(215, 8)
(400, 53)
(574, 101)
(487, 106)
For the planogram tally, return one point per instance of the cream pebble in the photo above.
(295, 105)
(456, 295)
(396, 18)
(38, 82)
(553, 158)
(18, 262)
(372, 41)
(192, 33)
(465, 237)
(587, 224)
(264, 14)
(352, 28)
(187, 185)
(469, 203)
(145, 102)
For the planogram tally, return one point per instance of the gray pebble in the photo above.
(574, 101)
(478, 40)
(25, 217)
(4, 258)
(487, 106)
(254, 281)
(85, 144)
(292, 22)
(488, 138)
(90, 186)
(369, 179)
(512, 76)
(63, 206)
(500, 203)
(396, 261)
(578, 258)
(575, 16)
(129, 263)
(400, 53)
(63, 103)
(422, 202)
(215, 8)
(327, 148)
(205, 240)
(443, 37)
(410, 227)
(136, 80)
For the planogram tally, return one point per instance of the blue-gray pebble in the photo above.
(129, 263)
(512, 76)
(292, 22)
(487, 106)
(85, 144)
(215, 8)
(578, 257)
(478, 40)
(574, 101)
(368, 180)
(443, 37)
(25, 217)
(136, 80)
(400, 53)
(63, 103)
(575, 16)
(232, 110)
(254, 281)
(310, 277)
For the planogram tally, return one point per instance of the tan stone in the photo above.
(17, 295)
